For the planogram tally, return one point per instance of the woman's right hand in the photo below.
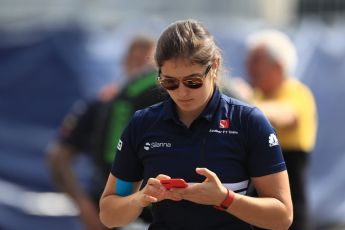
(154, 192)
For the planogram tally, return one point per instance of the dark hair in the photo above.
(187, 39)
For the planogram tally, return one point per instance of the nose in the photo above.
(182, 90)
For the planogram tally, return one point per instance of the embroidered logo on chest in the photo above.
(224, 124)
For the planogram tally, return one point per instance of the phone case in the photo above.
(174, 183)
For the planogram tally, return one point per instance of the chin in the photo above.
(187, 108)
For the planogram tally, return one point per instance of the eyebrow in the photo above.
(191, 75)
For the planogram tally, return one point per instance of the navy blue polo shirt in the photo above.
(230, 138)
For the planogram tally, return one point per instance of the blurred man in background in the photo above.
(288, 104)
(95, 128)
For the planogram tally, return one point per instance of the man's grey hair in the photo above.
(279, 47)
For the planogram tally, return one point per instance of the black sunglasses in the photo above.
(193, 82)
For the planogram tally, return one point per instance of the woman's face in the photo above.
(187, 99)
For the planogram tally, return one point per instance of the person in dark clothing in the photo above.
(217, 144)
(95, 128)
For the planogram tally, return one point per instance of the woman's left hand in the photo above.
(209, 192)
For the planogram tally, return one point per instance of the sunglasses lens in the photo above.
(190, 82)
(193, 83)
(170, 84)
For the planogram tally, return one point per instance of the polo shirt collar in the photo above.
(169, 111)
(212, 105)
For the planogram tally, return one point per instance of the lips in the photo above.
(185, 100)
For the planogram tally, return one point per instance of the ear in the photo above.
(215, 63)
(215, 67)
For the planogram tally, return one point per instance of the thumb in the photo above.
(210, 176)
(163, 177)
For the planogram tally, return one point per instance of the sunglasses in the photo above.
(194, 81)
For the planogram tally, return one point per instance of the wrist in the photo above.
(227, 201)
(222, 196)
(82, 200)
(140, 200)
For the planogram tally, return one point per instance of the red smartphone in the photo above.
(174, 183)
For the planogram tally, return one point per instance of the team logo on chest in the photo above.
(224, 124)
(152, 145)
(223, 128)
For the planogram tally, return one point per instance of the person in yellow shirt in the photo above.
(288, 104)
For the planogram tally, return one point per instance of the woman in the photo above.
(217, 144)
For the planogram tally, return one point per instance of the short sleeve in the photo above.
(265, 156)
(127, 165)
(78, 126)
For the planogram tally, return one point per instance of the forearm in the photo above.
(118, 211)
(67, 183)
(268, 213)
(281, 115)
(60, 167)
